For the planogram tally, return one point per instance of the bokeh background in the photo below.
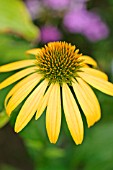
(26, 24)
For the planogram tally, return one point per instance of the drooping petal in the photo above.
(72, 114)
(53, 114)
(21, 94)
(87, 101)
(100, 84)
(15, 77)
(94, 72)
(34, 51)
(88, 60)
(30, 106)
(43, 103)
(16, 65)
(19, 85)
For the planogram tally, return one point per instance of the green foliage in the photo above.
(3, 118)
(96, 152)
(102, 51)
(15, 18)
(45, 155)
(7, 167)
(12, 48)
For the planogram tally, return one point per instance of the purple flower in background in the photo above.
(75, 21)
(86, 23)
(77, 4)
(50, 33)
(34, 7)
(96, 29)
(57, 4)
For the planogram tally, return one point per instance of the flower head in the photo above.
(51, 81)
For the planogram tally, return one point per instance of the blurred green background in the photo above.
(32, 23)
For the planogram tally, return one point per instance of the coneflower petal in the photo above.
(87, 101)
(34, 51)
(30, 106)
(72, 114)
(15, 77)
(53, 114)
(43, 103)
(18, 85)
(100, 84)
(16, 65)
(94, 72)
(21, 93)
(88, 60)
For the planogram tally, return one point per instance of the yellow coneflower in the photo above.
(51, 81)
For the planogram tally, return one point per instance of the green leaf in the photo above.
(12, 49)
(3, 119)
(54, 152)
(14, 17)
(96, 151)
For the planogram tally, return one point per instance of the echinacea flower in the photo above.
(51, 82)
